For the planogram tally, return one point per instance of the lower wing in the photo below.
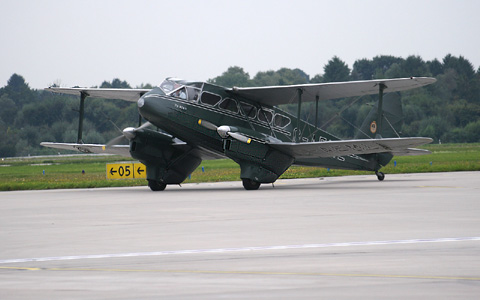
(347, 147)
(122, 150)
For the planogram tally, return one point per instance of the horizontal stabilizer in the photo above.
(122, 94)
(348, 147)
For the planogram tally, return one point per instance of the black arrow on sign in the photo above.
(139, 170)
(112, 171)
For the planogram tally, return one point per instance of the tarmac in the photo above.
(412, 236)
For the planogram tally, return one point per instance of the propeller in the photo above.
(225, 131)
(128, 133)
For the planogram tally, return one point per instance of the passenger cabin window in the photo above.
(250, 110)
(230, 105)
(265, 116)
(281, 121)
(209, 98)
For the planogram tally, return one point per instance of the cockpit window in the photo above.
(180, 93)
(167, 86)
(180, 89)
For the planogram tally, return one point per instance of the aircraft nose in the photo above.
(141, 102)
(151, 108)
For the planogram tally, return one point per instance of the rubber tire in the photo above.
(250, 185)
(380, 176)
(156, 185)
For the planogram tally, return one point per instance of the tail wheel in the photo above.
(156, 185)
(380, 176)
(249, 184)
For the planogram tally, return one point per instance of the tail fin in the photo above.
(392, 119)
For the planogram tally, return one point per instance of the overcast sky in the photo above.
(86, 42)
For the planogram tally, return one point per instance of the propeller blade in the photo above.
(207, 124)
(128, 133)
(240, 137)
(144, 125)
(115, 141)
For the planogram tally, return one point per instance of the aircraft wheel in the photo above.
(380, 176)
(249, 184)
(156, 185)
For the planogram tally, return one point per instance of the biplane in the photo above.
(198, 121)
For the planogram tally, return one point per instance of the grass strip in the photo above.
(86, 171)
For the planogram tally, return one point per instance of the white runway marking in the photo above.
(241, 249)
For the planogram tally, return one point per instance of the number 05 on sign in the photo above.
(126, 171)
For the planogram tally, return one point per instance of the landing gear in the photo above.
(380, 175)
(249, 184)
(156, 185)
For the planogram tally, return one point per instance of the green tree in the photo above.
(382, 63)
(8, 110)
(292, 76)
(317, 79)
(18, 90)
(435, 67)
(115, 84)
(283, 76)
(363, 69)
(415, 66)
(267, 78)
(336, 70)
(466, 88)
(234, 76)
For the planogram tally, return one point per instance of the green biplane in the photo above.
(198, 120)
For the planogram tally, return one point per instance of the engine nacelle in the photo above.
(258, 162)
(166, 163)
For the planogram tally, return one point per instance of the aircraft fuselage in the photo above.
(179, 117)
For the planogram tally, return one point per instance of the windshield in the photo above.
(170, 84)
(179, 88)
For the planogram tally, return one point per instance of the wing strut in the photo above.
(300, 92)
(83, 96)
(381, 87)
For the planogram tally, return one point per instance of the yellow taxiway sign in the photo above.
(126, 170)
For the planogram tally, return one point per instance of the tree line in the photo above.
(447, 111)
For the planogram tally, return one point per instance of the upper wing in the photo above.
(122, 94)
(348, 147)
(276, 95)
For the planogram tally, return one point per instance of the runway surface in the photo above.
(411, 236)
